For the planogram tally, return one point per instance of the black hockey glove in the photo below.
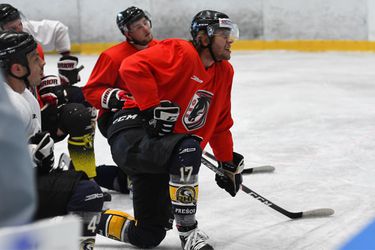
(68, 71)
(232, 180)
(160, 120)
(113, 99)
(52, 92)
(41, 145)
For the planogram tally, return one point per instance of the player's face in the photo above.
(221, 44)
(15, 25)
(36, 65)
(140, 31)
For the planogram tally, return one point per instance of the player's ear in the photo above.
(17, 70)
(203, 39)
(128, 37)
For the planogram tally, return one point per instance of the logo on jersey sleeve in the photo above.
(196, 113)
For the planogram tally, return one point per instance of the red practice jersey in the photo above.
(105, 73)
(172, 70)
(40, 51)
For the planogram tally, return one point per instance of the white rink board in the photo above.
(49, 234)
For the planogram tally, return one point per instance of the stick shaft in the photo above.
(293, 215)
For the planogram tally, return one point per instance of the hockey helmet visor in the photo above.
(225, 25)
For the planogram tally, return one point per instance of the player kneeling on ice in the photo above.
(59, 192)
(182, 92)
(64, 109)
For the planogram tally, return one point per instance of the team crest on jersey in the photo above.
(196, 113)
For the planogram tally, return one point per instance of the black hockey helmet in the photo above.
(14, 46)
(210, 21)
(8, 13)
(129, 16)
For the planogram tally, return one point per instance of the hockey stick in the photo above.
(320, 212)
(258, 169)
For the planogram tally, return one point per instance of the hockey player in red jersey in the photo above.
(64, 109)
(183, 95)
(102, 89)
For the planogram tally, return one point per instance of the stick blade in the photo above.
(321, 212)
(264, 169)
(260, 169)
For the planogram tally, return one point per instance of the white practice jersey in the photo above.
(28, 108)
(17, 177)
(51, 34)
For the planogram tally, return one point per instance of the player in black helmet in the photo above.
(59, 192)
(129, 16)
(182, 94)
(101, 90)
(209, 21)
(52, 34)
(8, 14)
(64, 109)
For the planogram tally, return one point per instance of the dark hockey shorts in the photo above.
(54, 192)
(104, 121)
(137, 153)
(146, 160)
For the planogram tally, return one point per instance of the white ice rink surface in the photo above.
(312, 116)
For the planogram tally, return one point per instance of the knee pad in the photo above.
(186, 157)
(87, 196)
(75, 119)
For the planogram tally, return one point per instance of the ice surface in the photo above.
(312, 116)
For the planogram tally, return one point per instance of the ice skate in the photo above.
(195, 239)
(87, 243)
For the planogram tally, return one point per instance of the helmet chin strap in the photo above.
(136, 42)
(212, 53)
(209, 47)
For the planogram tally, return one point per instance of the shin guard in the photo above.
(183, 182)
(184, 197)
(81, 152)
